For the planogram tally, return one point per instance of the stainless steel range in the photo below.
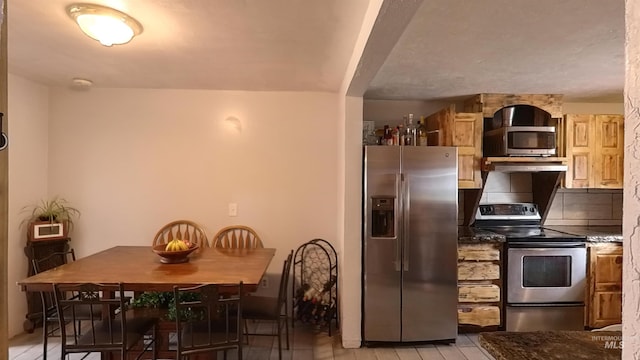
(545, 270)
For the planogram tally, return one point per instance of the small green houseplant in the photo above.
(164, 300)
(52, 211)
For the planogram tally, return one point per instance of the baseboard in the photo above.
(351, 344)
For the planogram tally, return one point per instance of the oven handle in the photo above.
(524, 305)
(546, 245)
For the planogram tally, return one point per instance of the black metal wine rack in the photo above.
(315, 284)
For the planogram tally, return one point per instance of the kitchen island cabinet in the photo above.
(604, 279)
(479, 286)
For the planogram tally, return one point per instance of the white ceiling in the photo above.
(449, 49)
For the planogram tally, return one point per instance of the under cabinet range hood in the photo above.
(525, 164)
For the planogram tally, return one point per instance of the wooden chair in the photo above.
(119, 333)
(49, 311)
(183, 230)
(206, 322)
(271, 309)
(237, 236)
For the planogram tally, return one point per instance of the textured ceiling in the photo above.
(453, 48)
(449, 48)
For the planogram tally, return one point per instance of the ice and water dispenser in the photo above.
(383, 216)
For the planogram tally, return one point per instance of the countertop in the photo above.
(549, 345)
(593, 233)
(471, 235)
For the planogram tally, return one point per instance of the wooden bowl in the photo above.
(173, 257)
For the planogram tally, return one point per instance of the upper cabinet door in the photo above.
(467, 137)
(464, 131)
(594, 149)
(609, 151)
(580, 142)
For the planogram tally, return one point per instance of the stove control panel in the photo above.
(522, 211)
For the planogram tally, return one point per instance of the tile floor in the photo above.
(307, 343)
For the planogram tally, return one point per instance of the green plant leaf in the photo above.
(55, 209)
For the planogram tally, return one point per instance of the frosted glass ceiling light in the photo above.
(108, 26)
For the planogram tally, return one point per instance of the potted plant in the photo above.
(163, 300)
(49, 219)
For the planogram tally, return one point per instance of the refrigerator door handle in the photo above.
(397, 262)
(398, 219)
(405, 222)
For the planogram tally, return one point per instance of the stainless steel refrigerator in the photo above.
(410, 289)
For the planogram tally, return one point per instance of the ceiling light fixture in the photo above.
(108, 26)
(81, 84)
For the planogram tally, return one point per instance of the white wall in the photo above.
(351, 286)
(28, 110)
(132, 160)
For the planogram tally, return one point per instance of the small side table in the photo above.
(38, 250)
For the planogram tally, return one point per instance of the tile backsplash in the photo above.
(586, 207)
(569, 206)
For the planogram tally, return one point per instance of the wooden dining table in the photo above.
(138, 268)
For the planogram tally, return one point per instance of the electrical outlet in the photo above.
(265, 282)
(233, 209)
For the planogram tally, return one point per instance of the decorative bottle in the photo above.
(422, 132)
(411, 133)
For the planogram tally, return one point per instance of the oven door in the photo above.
(547, 273)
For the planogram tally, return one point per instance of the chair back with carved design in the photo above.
(237, 237)
(183, 230)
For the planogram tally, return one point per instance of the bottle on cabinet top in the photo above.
(409, 132)
(422, 132)
(410, 138)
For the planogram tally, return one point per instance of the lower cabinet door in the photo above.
(606, 308)
(479, 315)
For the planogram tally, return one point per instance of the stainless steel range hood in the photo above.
(525, 164)
(527, 167)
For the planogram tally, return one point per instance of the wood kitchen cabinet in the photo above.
(479, 287)
(464, 131)
(488, 104)
(604, 279)
(594, 146)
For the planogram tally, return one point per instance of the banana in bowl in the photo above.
(174, 254)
